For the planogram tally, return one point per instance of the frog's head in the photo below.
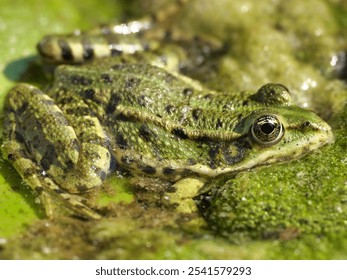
(279, 131)
(282, 133)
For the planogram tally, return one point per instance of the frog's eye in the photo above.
(267, 130)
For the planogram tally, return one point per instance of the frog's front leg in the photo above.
(57, 155)
(182, 198)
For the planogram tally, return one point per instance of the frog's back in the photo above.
(163, 125)
(116, 88)
(158, 121)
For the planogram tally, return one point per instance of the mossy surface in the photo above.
(295, 210)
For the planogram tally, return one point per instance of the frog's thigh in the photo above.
(186, 189)
(71, 148)
(17, 150)
(94, 157)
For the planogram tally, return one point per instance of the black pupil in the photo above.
(267, 128)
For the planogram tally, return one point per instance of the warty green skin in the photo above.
(65, 142)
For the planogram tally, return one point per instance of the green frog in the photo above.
(135, 111)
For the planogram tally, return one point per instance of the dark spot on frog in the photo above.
(112, 104)
(35, 143)
(150, 170)
(191, 161)
(80, 80)
(188, 91)
(146, 46)
(120, 141)
(69, 164)
(180, 133)
(88, 50)
(81, 188)
(115, 51)
(106, 78)
(213, 154)
(11, 157)
(126, 160)
(208, 96)
(168, 171)
(132, 82)
(219, 124)
(233, 153)
(146, 133)
(22, 108)
(59, 191)
(170, 109)
(48, 157)
(186, 172)
(19, 137)
(48, 102)
(89, 93)
(196, 113)
(123, 117)
(144, 101)
(18, 155)
(30, 171)
(66, 52)
(306, 126)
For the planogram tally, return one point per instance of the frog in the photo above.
(128, 107)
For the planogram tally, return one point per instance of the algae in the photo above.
(295, 210)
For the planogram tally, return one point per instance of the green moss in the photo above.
(119, 191)
(17, 204)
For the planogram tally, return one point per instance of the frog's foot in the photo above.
(182, 198)
(51, 196)
(54, 157)
(56, 201)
